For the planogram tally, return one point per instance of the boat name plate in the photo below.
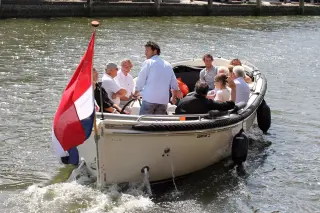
(108, 126)
(203, 135)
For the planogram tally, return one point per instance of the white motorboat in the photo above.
(166, 145)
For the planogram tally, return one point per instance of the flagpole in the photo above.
(95, 24)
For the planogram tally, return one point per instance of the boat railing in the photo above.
(213, 114)
(138, 118)
(199, 116)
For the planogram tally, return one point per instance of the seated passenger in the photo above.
(125, 80)
(237, 62)
(209, 72)
(183, 87)
(110, 85)
(220, 70)
(199, 104)
(242, 88)
(107, 104)
(222, 93)
(223, 70)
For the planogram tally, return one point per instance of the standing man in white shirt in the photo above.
(242, 88)
(125, 80)
(110, 85)
(156, 78)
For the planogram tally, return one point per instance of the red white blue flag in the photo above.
(73, 120)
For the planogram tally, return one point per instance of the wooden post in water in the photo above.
(89, 7)
(259, 5)
(210, 7)
(0, 10)
(157, 6)
(301, 7)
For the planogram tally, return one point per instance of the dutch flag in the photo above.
(74, 118)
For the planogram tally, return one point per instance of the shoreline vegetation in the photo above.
(130, 8)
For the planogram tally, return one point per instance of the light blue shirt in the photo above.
(242, 90)
(208, 76)
(155, 80)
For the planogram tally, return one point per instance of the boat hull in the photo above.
(123, 155)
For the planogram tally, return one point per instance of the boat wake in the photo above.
(74, 197)
(82, 175)
(79, 194)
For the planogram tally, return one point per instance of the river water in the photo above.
(37, 58)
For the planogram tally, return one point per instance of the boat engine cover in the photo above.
(240, 145)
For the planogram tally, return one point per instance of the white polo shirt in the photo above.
(111, 86)
(155, 79)
(125, 82)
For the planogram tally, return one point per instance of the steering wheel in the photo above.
(129, 102)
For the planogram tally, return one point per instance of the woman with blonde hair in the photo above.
(222, 91)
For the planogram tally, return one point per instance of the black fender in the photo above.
(240, 146)
(264, 117)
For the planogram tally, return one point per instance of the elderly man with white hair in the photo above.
(109, 83)
(242, 88)
(223, 70)
(125, 80)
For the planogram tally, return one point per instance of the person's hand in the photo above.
(230, 68)
(136, 93)
(231, 83)
(211, 96)
(173, 100)
(126, 112)
(211, 92)
(97, 108)
(179, 94)
(247, 79)
(135, 97)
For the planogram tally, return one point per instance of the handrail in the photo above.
(173, 116)
(138, 118)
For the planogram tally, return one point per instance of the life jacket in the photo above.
(183, 87)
